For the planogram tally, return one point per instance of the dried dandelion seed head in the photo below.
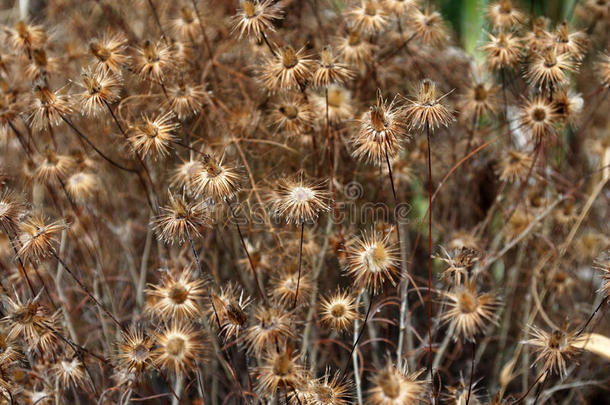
(574, 44)
(379, 133)
(603, 69)
(217, 181)
(82, 186)
(554, 349)
(480, 98)
(372, 261)
(538, 38)
(154, 135)
(328, 390)
(70, 372)
(338, 311)
(152, 60)
(253, 18)
(538, 117)
(47, 108)
(134, 351)
(293, 115)
(185, 175)
(568, 105)
(24, 317)
(469, 311)
(394, 386)
(518, 223)
(548, 69)
(271, 325)
(24, 37)
(230, 304)
(280, 370)
(298, 200)
(459, 261)
(186, 25)
(177, 297)
(287, 70)
(426, 110)
(400, 7)
(369, 17)
(430, 27)
(10, 350)
(284, 286)
(186, 99)
(340, 107)
(459, 394)
(179, 346)
(502, 51)
(101, 88)
(53, 167)
(11, 210)
(41, 65)
(181, 220)
(503, 15)
(37, 237)
(109, 52)
(514, 166)
(602, 263)
(330, 71)
(354, 48)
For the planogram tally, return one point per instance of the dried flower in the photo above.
(154, 135)
(538, 116)
(181, 220)
(503, 51)
(289, 69)
(369, 17)
(514, 166)
(379, 132)
(553, 348)
(102, 88)
(179, 347)
(255, 17)
(469, 311)
(429, 27)
(217, 181)
(548, 70)
(109, 52)
(152, 60)
(330, 71)
(177, 298)
(338, 311)
(134, 351)
(299, 201)
(427, 110)
(504, 16)
(48, 108)
(394, 386)
(37, 237)
(372, 261)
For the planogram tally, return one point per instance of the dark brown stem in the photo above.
(268, 44)
(243, 244)
(366, 318)
(296, 294)
(332, 171)
(474, 347)
(86, 290)
(99, 152)
(157, 21)
(429, 249)
(601, 304)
